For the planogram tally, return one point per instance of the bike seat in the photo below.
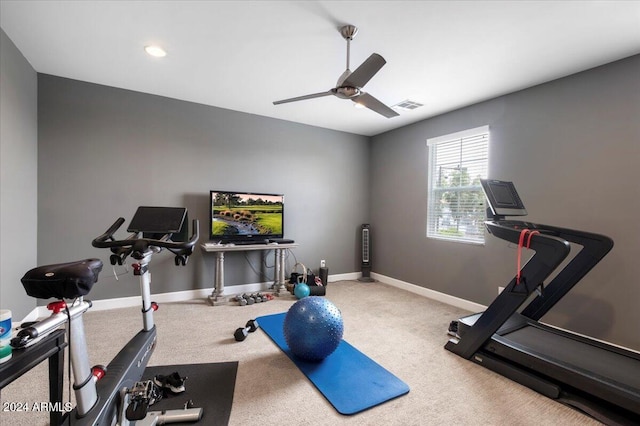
(62, 280)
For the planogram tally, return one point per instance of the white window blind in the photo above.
(456, 203)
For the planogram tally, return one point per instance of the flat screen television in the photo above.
(245, 216)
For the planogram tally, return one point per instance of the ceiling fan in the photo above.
(350, 84)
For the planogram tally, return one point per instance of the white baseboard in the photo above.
(127, 302)
(431, 294)
(176, 296)
(344, 277)
(181, 296)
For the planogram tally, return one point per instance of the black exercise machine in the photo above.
(112, 395)
(594, 377)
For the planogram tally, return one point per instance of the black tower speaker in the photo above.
(365, 252)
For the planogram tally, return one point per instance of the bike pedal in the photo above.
(137, 410)
(143, 395)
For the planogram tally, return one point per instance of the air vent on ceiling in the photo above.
(407, 105)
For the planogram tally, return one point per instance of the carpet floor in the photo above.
(402, 332)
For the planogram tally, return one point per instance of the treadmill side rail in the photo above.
(538, 384)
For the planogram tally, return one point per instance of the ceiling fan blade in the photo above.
(364, 72)
(302, 98)
(375, 105)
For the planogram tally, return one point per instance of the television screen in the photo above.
(502, 198)
(238, 216)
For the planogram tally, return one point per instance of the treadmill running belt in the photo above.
(578, 355)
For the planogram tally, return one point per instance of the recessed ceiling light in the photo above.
(156, 51)
(358, 105)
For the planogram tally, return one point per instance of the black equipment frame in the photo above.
(597, 378)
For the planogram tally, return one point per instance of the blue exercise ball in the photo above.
(313, 328)
(301, 290)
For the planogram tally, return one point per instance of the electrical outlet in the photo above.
(500, 289)
(323, 263)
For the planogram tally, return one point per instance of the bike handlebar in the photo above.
(184, 248)
(100, 241)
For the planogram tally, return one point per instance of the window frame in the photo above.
(432, 215)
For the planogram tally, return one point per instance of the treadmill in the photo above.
(599, 379)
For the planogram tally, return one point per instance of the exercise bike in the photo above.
(115, 394)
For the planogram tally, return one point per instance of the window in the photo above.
(455, 203)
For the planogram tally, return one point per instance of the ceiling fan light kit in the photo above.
(350, 84)
(155, 51)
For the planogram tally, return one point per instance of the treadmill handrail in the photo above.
(594, 248)
(549, 250)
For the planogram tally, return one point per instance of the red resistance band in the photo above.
(528, 233)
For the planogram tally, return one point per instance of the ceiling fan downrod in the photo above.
(348, 32)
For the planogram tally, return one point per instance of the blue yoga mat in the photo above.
(351, 381)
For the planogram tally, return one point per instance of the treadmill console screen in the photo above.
(502, 198)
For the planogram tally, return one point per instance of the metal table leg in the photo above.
(217, 297)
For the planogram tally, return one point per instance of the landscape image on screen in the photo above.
(239, 214)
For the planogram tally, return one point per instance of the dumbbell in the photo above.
(242, 333)
(245, 299)
(241, 300)
(251, 298)
(259, 297)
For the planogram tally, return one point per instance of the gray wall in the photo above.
(99, 152)
(18, 181)
(572, 147)
(105, 151)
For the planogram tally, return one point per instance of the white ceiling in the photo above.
(243, 55)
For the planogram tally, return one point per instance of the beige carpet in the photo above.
(403, 332)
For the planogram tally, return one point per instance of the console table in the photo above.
(217, 297)
(50, 347)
